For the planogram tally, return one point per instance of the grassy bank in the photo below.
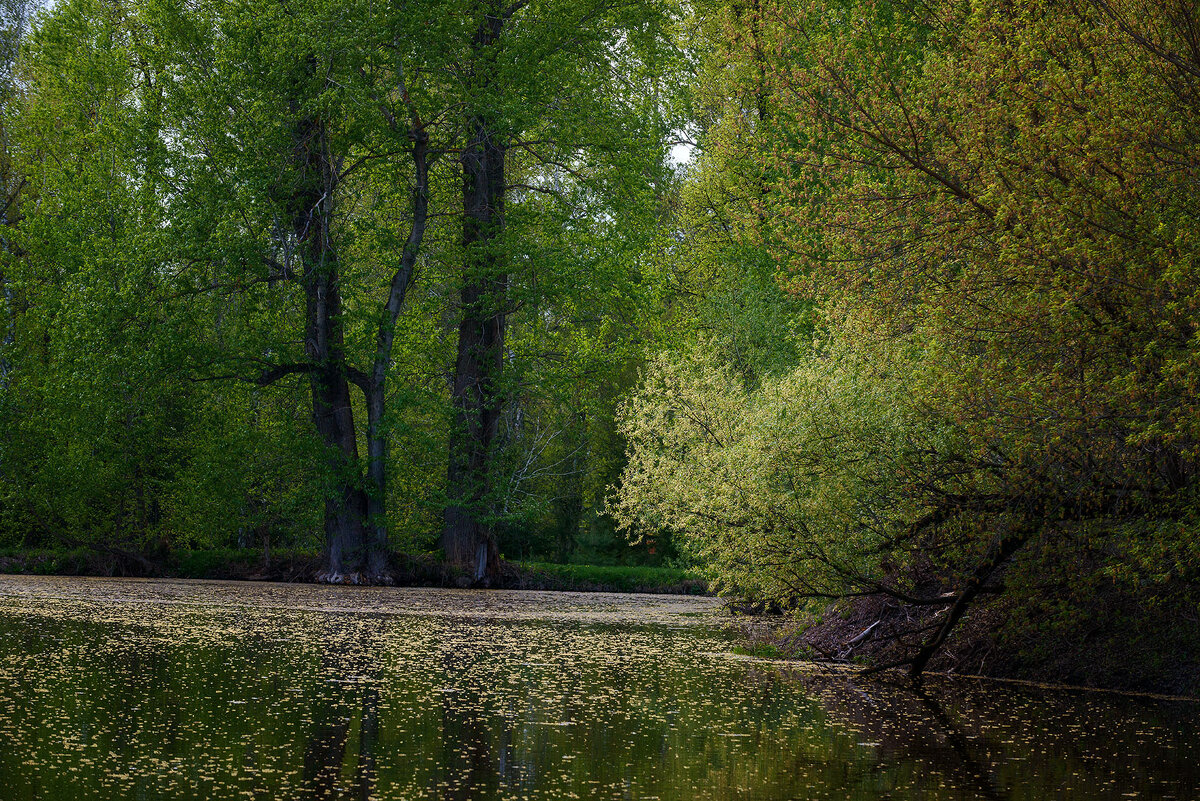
(420, 570)
(619, 578)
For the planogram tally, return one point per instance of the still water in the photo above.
(129, 689)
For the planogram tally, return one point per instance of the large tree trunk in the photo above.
(466, 539)
(345, 500)
(375, 386)
(311, 209)
(377, 456)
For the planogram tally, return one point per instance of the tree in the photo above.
(285, 194)
(273, 179)
(572, 138)
(990, 204)
(476, 391)
(14, 19)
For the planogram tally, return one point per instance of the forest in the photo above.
(883, 311)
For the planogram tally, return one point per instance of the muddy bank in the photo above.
(1116, 642)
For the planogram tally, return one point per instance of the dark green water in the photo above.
(115, 689)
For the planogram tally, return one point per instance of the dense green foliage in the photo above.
(993, 206)
(155, 389)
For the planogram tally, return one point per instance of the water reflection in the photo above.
(469, 769)
(344, 729)
(976, 771)
(148, 690)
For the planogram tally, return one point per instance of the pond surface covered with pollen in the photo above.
(129, 689)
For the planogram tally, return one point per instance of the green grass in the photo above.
(200, 563)
(45, 561)
(760, 651)
(619, 578)
(288, 563)
(218, 562)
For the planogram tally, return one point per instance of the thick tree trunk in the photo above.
(377, 456)
(311, 208)
(466, 539)
(345, 501)
(375, 385)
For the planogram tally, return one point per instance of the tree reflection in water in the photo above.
(332, 768)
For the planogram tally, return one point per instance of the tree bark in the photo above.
(375, 387)
(467, 539)
(311, 209)
(377, 455)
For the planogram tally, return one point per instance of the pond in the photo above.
(131, 689)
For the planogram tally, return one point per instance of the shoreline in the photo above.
(302, 567)
(854, 635)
